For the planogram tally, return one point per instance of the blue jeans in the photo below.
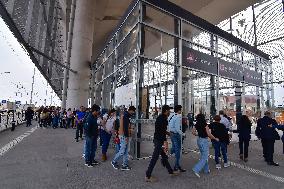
(220, 147)
(91, 147)
(84, 148)
(176, 148)
(123, 151)
(106, 139)
(203, 146)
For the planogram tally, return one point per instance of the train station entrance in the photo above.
(162, 54)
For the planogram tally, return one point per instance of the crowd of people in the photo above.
(96, 125)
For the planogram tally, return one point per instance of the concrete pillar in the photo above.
(78, 84)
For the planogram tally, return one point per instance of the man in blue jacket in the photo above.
(91, 134)
(267, 134)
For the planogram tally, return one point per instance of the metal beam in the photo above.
(51, 59)
(269, 41)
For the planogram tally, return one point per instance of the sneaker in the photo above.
(180, 169)
(125, 168)
(226, 165)
(95, 162)
(77, 140)
(115, 165)
(196, 174)
(151, 179)
(90, 165)
(175, 173)
(218, 166)
(86, 164)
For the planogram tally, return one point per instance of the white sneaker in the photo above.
(218, 166)
(196, 174)
(226, 165)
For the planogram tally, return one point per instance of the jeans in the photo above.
(106, 139)
(158, 150)
(84, 148)
(243, 145)
(91, 147)
(220, 146)
(123, 151)
(203, 146)
(79, 131)
(117, 147)
(176, 148)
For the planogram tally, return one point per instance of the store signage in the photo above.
(230, 70)
(199, 61)
(202, 62)
(253, 77)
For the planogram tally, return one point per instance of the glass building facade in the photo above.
(162, 54)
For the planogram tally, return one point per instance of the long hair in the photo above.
(200, 120)
(244, 121)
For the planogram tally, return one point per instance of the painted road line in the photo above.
(16, 141)
(249, 169)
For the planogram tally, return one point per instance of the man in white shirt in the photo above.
(175, 128)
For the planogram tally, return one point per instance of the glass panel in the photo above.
(130, 22)
(128, 48)
(160, 46)
(109, 65)
(159, 19)
(107, 92)
(99, 74)
(125, 90)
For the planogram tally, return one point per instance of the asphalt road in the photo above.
(50, 158)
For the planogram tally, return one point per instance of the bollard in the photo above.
(13, 122)
(7, 123)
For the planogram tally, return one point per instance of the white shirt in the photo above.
(226, 122)
(175, 123)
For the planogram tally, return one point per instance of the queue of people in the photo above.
(93, 125)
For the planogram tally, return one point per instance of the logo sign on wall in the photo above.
(4, 101)
(199, 61)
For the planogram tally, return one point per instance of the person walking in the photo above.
(202, 130)
(268, 135)
(124, 140)
(175, 128)
(107, 130)
(244, 129)
(69, 115)
(91, 134)
(218, 130)
(160, 140)
(79, 120)
(29, 114)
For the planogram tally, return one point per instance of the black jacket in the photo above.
(91, 126)
(263, 131)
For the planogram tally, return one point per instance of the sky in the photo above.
(14, 59)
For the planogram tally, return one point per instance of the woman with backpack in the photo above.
(107, 130)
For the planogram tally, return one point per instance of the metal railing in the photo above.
(6, 119)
